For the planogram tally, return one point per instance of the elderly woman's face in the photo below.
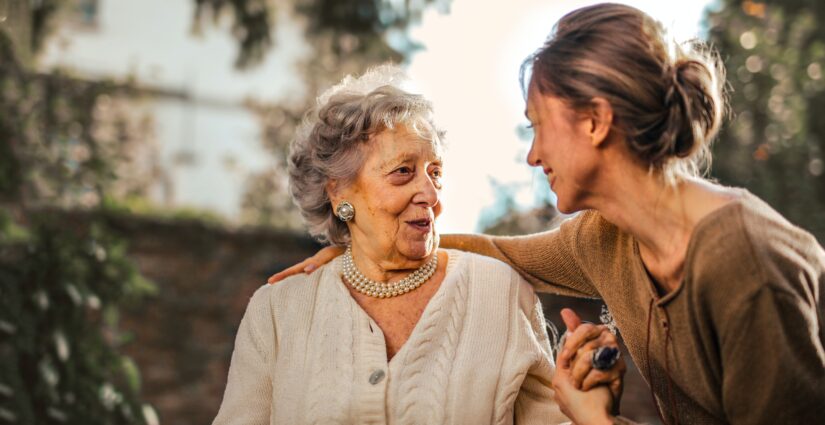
(396, 197)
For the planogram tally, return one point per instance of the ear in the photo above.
(601, 120)
(332, 189)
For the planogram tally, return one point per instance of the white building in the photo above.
(207, 141)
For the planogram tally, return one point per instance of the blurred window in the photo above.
(84, 13)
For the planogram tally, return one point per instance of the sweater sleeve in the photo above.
(248, 394)
(534, 403)
(773, 362)
(550, 261)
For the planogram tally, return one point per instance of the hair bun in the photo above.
(693, 105)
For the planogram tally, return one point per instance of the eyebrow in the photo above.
(392, 162)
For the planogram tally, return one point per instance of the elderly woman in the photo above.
(394, 330)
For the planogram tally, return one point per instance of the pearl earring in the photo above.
(345, 211)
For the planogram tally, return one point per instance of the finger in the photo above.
(323, 256)
(595, 378)
(584, 333)
(616, 389)
(561, 387)
(583, 360)
(560, 376)
(283, 274)
(580, 368)
(582, 363)
(610, 337)
(605, 376)
(326, 255)
(561, 381)
(570, 319)
(591, 345)
(575, 340)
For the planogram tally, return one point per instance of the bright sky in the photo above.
(469, 69)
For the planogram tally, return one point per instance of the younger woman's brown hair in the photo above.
(667, 99)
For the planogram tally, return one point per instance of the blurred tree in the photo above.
(348, 27)
(60, 285)
(505, 218)
(774, 144)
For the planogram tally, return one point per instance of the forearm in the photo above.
(544, 259)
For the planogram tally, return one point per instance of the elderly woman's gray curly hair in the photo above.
(329, 143)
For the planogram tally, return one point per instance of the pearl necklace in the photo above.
(375, 289)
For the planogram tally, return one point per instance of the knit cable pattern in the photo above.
(425, 379)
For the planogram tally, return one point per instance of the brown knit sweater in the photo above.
(740, 341)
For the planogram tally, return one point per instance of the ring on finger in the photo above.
(605, 357)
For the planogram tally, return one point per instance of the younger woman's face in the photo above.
(563, 147)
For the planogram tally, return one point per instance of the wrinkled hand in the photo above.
(325, 255)
(580, 342)
(582, 407)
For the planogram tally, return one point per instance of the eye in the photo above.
(402, 175)
(403, 170)
(436, 173)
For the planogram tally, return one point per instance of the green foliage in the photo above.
(774, 145)
(50, 153)
(57, 362)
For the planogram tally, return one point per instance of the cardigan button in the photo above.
(377, 376)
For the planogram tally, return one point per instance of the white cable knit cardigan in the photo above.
(306, 353)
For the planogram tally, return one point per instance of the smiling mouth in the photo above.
(424, 224)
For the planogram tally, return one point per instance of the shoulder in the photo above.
(480, 267)
(748, 242)
(591, 232)
(293, 292)
(494, 275)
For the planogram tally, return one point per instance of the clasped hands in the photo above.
(585, 394)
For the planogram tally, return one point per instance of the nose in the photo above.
(533, 157)
(428, 192)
